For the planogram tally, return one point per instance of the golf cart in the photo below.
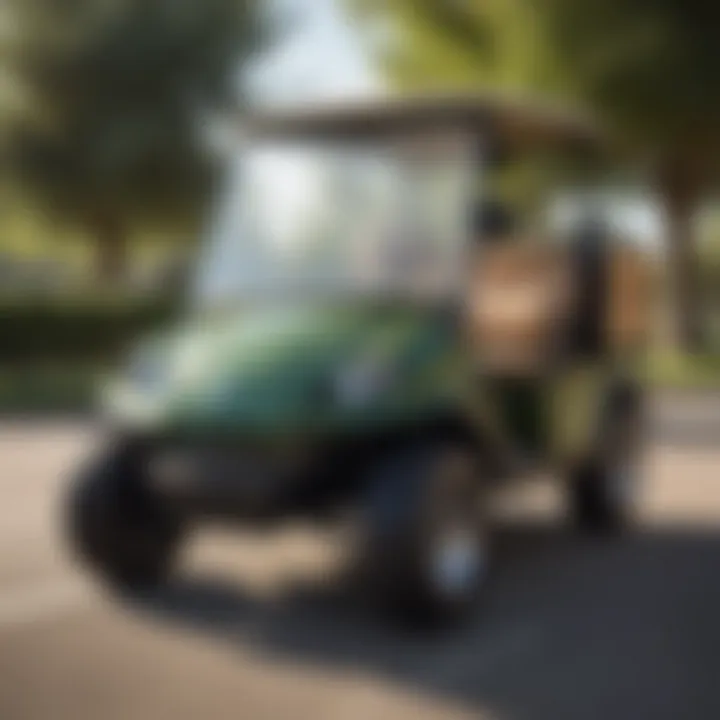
(356, 342)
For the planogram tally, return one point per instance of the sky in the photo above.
(322, 57)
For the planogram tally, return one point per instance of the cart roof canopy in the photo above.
(508, 122)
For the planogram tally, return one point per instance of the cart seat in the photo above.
(520, 302)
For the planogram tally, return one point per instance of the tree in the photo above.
(458, 43)
(648, 68)
(114, 91)
(651, 70)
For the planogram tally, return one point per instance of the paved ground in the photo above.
(253, 628)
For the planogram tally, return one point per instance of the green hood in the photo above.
(281, 369)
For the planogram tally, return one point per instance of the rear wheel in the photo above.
(117, 527)
(427, 542)
(605, 490)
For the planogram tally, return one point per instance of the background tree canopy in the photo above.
(109, 96)
(650, 70)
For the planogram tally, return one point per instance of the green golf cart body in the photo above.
(333, 356)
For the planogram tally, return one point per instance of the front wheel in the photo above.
(117, 527)
(427, 542)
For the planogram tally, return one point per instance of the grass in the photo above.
(684, 372)
(47, 388)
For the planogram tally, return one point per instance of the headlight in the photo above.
(361, 382)
(153, 372)
(122, 403)
(136, 395)
(146, 371)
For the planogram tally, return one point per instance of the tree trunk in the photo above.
(110, 248)
(680, 200)
(684, 279)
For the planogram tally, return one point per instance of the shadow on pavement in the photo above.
(623, 628)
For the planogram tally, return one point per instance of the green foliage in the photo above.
(684, 372)
(495, 43)
(48, 388)
(114, 91)
(83, 330)
(649, 68)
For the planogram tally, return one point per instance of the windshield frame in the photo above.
(455, 147)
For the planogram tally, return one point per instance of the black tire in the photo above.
(117, 528)
(604, 489)
(412, 504)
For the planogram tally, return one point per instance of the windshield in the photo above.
(380, 218)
